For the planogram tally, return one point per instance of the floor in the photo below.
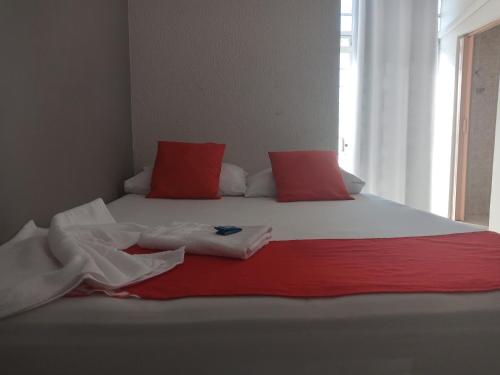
(482, 220)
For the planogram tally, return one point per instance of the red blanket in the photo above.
(466, 262)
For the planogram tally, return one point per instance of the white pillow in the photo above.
(262, 184)
(353, 183)
(140, 183)
(232, 181)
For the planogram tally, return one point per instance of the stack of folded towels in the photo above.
(202, 239)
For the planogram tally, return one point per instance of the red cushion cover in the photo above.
(187, 170)
(308, 176)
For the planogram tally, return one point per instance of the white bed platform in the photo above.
(365, 334)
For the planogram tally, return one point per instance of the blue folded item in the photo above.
(226, 230)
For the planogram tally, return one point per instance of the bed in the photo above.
(366, 334)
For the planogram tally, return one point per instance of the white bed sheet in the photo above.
(368, 334)
(366, 216)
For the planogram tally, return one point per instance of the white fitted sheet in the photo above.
(369, 334)
(366, 216)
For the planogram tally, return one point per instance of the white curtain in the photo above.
(395, 53)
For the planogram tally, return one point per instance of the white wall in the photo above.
(459, 17)
(453, 10)
(258, 75)
(64, 107)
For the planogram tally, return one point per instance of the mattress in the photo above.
(369, 334)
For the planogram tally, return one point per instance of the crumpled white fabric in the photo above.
(82, 245)
(201, 239)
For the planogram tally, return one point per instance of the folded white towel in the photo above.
(201, 239)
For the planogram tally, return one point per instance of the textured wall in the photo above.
(258, 75)
(64, 106)
(494, 219)
(486, 70)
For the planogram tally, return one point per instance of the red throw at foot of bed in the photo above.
(467, 262)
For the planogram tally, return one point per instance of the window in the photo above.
(346, 85)
(440, 16)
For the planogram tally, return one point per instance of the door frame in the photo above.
(466, 54)
(462, 113)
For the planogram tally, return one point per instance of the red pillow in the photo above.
(187, 170)
(308, 176)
